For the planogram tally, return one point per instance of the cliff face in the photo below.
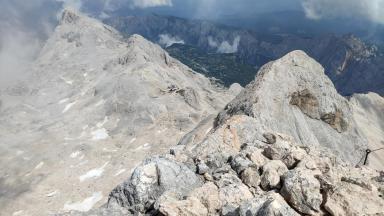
(288, 144)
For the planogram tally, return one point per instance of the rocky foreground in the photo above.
(287, 145)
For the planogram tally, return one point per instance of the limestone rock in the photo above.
(256, 156)
(208, 195)
(351, 199)
(302, 190)
(307, 103)
(232, 192)
(283, 149)
(251, 177)
(272, 173)
(202, 168)
(240, 163)
(293, 96)
(267, 204)
(188, 207)
(270, 138)
(235, 88)
(150, 180)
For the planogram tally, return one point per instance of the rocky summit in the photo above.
(288, 144)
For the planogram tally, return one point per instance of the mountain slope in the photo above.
(94, 106)
(352, 65)
(281, 147)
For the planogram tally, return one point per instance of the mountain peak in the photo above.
(293, 95)
(69, 16)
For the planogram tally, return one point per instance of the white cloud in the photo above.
(372, 10)
(212, 42)
(168, 40)
(24, 26)
(225, 46)
(151, 3)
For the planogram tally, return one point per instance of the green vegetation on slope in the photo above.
(226, 68)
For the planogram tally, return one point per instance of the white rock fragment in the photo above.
(85, 205)
(93, 174)
(68, 107)
(120, 172)
(38, 166)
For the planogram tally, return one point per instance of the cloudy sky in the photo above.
(25, 24)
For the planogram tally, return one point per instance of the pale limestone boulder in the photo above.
(208, 195)
(351, 199)
(150, 180)
(189, 207)
(251, 177)
(302, 191)
(269, 204)
(272, 173)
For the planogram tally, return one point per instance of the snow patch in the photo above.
(75, 154)
(208, 130)
(100, 134)
(132, 140)
(63, 101)
(52, 193)
(38, 166)
(101, 102)
(69, 82)
(109, 150)
(146, 146)
(85, 205)
(18, 213)
(68, 107)
(95, 173)
(120, 172)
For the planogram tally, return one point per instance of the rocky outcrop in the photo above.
(250, 165)
(293, 96)
(150, 180)
(302, 190)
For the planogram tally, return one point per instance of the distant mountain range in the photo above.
(353, 65)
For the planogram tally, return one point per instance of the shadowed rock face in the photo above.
(307, 103)
(252, 163)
